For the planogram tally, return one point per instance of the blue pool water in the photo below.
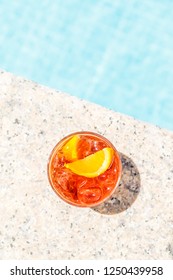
(115, 53)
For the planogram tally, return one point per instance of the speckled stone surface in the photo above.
(135, 223)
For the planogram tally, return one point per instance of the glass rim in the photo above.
(61, 142)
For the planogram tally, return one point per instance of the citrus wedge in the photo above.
(70, 149)
(92, 165)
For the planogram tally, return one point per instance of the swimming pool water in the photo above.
(115, 53)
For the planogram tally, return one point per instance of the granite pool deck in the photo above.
(136, 223)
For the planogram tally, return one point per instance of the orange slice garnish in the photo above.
(92, 165)
(70, 149)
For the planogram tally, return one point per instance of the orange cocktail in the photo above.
(84, 168)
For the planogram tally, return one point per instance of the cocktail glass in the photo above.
(86, 189)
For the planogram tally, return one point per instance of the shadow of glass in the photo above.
(125, 193)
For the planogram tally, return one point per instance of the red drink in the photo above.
(92, 185)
